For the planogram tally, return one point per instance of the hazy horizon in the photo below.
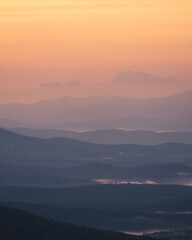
(72, 73)
(51, 49)
(38, 98)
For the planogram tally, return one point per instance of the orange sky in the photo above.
(92, 41)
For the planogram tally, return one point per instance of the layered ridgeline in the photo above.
(110, 136)
(171, 113)
(12, 144)
(61, 162)
(17, 224)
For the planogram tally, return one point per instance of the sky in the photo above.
(54, 48)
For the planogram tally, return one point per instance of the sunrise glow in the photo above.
(92, 41)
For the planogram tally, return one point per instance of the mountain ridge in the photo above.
(110, 136)
(59, 150)
(66, 110)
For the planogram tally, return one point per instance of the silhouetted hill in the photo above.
(17, 224)
(111, 136)
(24, 149)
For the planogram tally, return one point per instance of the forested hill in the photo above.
(17, 224)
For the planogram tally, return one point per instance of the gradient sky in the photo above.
(48, 41)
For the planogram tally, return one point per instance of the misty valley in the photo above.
(115, 176)
(129, 188)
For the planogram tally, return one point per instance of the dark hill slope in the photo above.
(121, 207)
(17, 224)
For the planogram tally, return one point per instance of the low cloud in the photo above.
(51, 84)
(73, 83)
(58, 84)
(142, 78)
